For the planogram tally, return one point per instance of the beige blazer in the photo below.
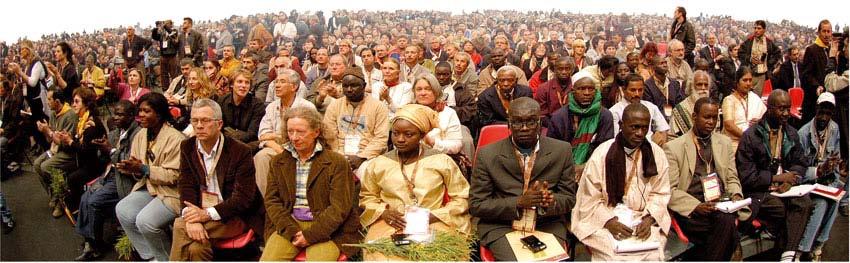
(682, 156)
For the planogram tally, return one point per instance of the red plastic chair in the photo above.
(767, 88)
(236, 242)
(679, 232)
(490, 134)
(175, 112)
(797, 95)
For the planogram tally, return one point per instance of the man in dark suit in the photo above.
(788, 74)
(655, 93)
(761, 54)
(711, 52)
(814, 67)
(493, 102)
(190, 43)
(526, 173)
(554, 45)
(217, 188)
(132, 48)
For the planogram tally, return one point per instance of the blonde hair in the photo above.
(206, 90)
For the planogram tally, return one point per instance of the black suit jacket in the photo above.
(652, 93)
(705, 53)
(139, 44)
(785, 78)
(497, 182)
(490, 109)
(235, 174)
(196, 45)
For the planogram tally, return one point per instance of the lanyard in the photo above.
(632, 173)
(412, 179)
(821, 140)
(745, 103)
(707, 162)
(355, 118)
(562, 98)
(526, 164)
(209, 172)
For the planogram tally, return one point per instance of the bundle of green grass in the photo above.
(446, 246)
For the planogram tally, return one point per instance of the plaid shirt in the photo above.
(302, 171)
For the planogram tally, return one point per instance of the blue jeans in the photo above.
(820, 222)
(147, 222)
(95, 207)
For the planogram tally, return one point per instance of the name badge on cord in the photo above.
(165, 43)
(187, 49)
(352, 144)
(711, 187)
(129, 53)
(668, 110)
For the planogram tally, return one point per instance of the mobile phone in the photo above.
(400, 240)
(532, 243)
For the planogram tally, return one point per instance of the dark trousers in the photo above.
(95, 206)
(168, 69)
(784, 217)
(77, 180)
(715, 236)
(502, 249)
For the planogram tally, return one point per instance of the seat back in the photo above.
(767, 88)
(490, 134)
(236, 242)
(797, 95)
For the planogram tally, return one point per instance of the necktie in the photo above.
(796, 75)
(710, 48)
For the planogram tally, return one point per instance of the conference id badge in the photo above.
(417, 220)
(129, 53)
(187, 49)
(165, 43)
(711, 187)
(352, 144)
(209, 199)
(668, 110)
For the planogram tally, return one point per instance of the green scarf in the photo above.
(586, 127)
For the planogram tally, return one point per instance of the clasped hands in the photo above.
(538, 195)
(195, 217)
(621, 231)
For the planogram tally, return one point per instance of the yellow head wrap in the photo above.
(421, 116)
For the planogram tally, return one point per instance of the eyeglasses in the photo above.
(203, 121)
(527, 123)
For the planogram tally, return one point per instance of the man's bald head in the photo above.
(633, 110)
(524, 106)
(778, 96)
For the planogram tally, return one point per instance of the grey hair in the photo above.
(704, 74)
(507, 68)
(291, 76)
(675, 42)
(200, 103)
(313, 118)
(433, 83)
(463, 54)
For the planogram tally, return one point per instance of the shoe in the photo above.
(788, 256)
(8, 226)
(843, 210)
(57, 211)
(51, 203)
(817, 252)
(89, 253)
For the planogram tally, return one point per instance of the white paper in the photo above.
(733, 206)
(352, 144)
(634, 245)
(417, 222)
(795, 191)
